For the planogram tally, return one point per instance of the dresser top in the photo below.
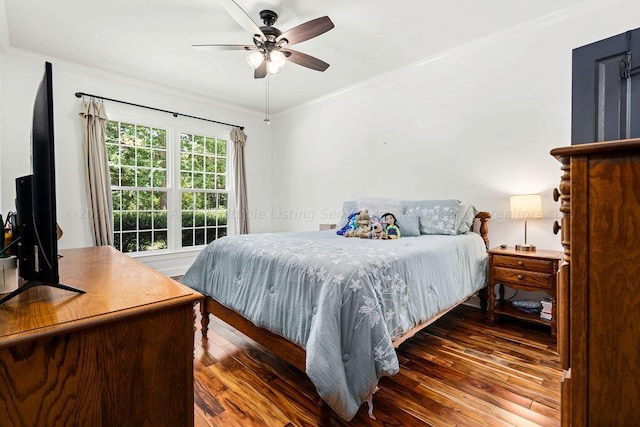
(598, 147)
(538, 253)
(117, 286)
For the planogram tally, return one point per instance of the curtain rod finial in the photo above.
(78, 94)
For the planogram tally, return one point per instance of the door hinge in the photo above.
(566, 374)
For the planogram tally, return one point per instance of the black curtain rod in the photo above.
(173, 113)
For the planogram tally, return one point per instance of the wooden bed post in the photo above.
(483, 217)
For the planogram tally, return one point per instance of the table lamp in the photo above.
(526, 206)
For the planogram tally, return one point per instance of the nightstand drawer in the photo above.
(523, 263)
(530, 278)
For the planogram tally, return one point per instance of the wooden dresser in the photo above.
(599, 295)
(119, 355)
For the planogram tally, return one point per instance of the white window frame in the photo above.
(174, 126)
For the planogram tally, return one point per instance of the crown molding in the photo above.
(496, 38)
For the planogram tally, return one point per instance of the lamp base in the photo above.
(526, 248)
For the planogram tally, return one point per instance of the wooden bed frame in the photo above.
(295, 355)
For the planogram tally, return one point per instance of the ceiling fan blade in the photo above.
(242, 18)
(305, 60)
(307, 31)
(223, 47)
(261, 71)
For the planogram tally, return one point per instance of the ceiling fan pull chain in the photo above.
(267, 119)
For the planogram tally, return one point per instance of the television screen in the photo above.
(36, 200)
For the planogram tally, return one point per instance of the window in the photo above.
(142, 169)
(203, 184)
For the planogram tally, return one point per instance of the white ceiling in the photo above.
(151, 39)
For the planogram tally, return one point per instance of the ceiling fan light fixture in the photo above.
(273, 68)
(277, 57)
(255, 59)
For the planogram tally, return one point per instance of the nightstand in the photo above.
(529, 271)
(327, 226)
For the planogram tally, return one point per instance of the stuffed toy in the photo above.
(377, 229)
(350, 225)
(392, 230)
(363, 231)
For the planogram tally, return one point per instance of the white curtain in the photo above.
(96, 172)
(239, 139)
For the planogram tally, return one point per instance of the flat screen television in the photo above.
(36, 222)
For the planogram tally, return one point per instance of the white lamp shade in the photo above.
(273, 68)
(526, 206)
(277, 57)
(255, 59)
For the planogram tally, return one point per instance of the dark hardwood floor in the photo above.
(456, 372)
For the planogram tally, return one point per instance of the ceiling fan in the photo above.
(270, 49)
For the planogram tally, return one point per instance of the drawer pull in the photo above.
(520, 263)
(520, 277)
(556, 194)
(556, 227)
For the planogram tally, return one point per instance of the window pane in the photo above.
(199, 198)
(222, 231)
(198, 144)
(127, 134)
(117, 241)
(144, 241)
(221, 149)
(187, 238)
(222, 165)
(114, 171)
(211, 234)
(129, 242)
(143, 136)
(186, 142)
(144, 157)
(128, 177)
(210, 181)
(186, 180)
(210, 145)
(128, 156)
(159, 159)
(143, 177)
(159, 220)
(210, 164)
(221, 182)
(129, 200)
(159, 138)
(116, 198)
(113, 153)
(211, 201)
(211, 218)
(159, 200)
(129, 220)
(222, 201)
(111, 132)
(199, 236)
(188, 200)
(187, 219)
(159, 178)
(199, 219)
(222, 217)
(186, 162)
(160, 240)
(198, 163)
(198, 180)
(144, 200)
(116, 221)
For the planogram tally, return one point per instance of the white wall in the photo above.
(20, 75)
(475, 123)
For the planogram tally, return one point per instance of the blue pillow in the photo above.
(464, 220)
(436, 216)
(409, 225)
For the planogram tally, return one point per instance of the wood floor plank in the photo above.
(456, 372)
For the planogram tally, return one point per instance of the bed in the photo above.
(337, 307)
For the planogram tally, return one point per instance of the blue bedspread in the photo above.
(344, 300)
